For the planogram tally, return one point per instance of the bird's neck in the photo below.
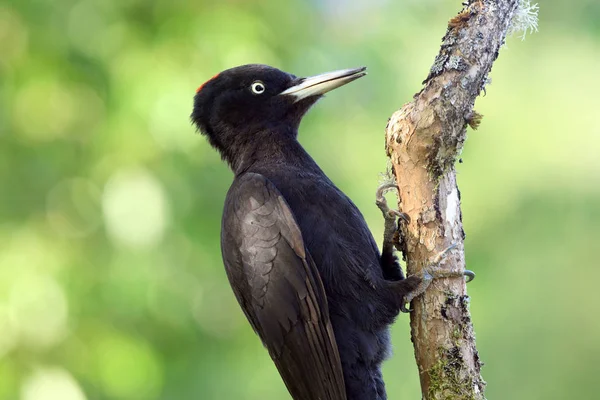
(269, 146)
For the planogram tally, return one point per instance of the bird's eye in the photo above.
(258, 87)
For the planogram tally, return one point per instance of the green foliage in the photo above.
(111, 282)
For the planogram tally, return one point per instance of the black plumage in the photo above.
(298, 253)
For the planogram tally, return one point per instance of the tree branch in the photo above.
(424, 139)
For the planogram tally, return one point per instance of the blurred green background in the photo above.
(111, 281)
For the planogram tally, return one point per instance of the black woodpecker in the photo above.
(298, 253)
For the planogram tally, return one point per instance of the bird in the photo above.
(297, 252)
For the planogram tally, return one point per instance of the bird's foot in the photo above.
(389, 215)
(429, 273)
(391, 234)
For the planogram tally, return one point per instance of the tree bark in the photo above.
(423, 140)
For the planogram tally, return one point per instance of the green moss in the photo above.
(445, 381)
(456, 335)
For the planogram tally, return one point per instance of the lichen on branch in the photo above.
(525, 19)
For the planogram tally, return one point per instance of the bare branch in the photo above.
(424, 139)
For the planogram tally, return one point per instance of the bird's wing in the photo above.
(279, 288)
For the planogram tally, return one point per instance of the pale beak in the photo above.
(321, 84)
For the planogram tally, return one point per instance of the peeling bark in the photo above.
(423, 140)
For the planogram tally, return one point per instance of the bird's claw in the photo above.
(383, 189)
(470, 275)
(431, 272)
(404, 309)
(400, 215)
(389, 215)
(383, 206)
(392, 238)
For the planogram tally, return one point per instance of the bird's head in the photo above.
(236, 104)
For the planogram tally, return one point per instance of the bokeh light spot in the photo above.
(135, 208)
(169, 119)
(25, 251)
(51, 384)
(38, 309)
